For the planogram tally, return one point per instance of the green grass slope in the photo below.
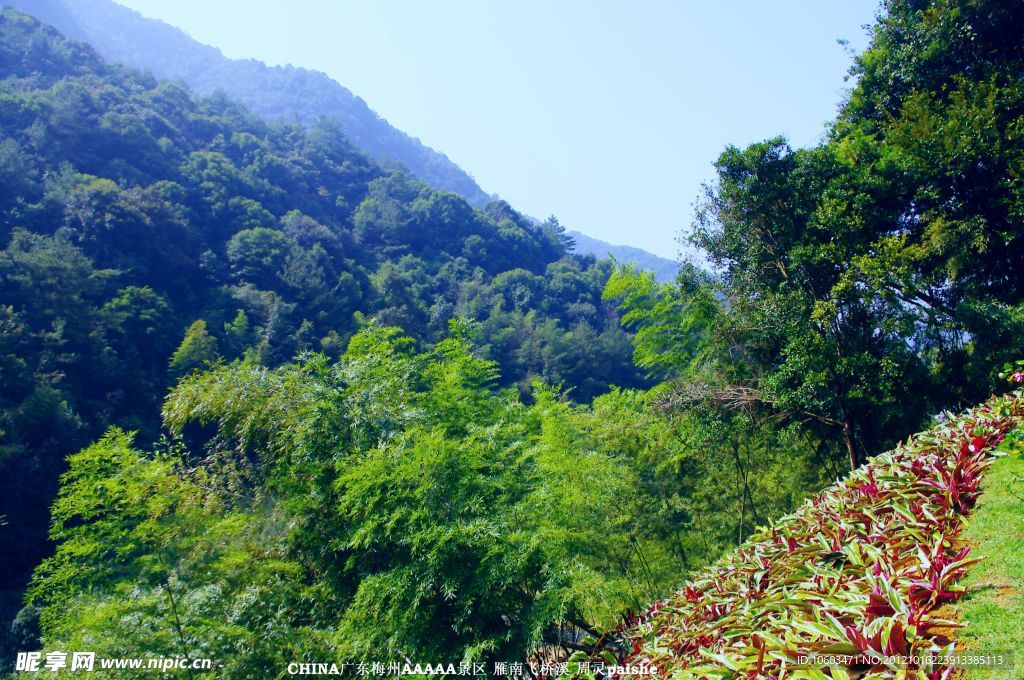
(993, 610)
(859, 581)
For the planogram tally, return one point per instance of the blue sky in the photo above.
(607, 114)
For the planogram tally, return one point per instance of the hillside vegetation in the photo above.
(323, 411)
(284, 93)
(146, 233)
(664, 270)
(851, 585)
(292, 94)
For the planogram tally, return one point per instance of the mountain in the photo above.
(123, 35)
(146, 232)
(665, 270)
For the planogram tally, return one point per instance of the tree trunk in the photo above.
(743, 508)
(177, 621)
(851, 449)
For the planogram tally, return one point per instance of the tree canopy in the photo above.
(146, 233)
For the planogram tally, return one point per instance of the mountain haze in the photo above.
(664, 270)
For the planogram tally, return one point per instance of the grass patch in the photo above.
(993, 610)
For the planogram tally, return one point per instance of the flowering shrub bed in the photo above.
(850, 585)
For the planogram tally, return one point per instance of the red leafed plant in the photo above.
(858, 573)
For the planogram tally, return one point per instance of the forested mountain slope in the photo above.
(294, 94)
(145, 232)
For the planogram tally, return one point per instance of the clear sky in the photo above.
(605, 113)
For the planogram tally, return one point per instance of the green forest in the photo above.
(122, 35)
(265, 401)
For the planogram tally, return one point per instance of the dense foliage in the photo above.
(390, 505)
(859, 286)
(876, 278)
(288, 93)
(145, 233)
(858, 573)
(391, 431)
(123, 36)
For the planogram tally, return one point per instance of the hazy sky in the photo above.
(607, 114)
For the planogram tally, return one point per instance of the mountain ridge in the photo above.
(664, 270)
(121, 34)
(169, 53)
